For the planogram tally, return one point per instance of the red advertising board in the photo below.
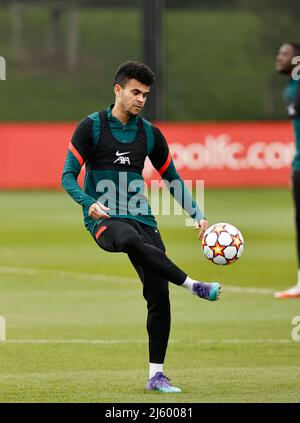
(222, 154)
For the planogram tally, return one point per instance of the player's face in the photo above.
(284, 59)
(132, 97)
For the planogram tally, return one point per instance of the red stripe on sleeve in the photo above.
(76, 154)
(99, 232)
(166, 165)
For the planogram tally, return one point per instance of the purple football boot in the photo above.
(208, 291)
(160, 383)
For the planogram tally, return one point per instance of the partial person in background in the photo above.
(291, 94)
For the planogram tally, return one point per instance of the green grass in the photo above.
(236, 350)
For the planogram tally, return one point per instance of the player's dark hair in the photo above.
(296, 48)
(133, 70)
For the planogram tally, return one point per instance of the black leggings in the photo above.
(296, 196)
(146, 251)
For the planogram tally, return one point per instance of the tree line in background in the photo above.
(60, 43)
(279, 17)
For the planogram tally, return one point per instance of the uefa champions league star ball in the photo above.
(222, 243)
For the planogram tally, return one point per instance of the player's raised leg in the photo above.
(120, 236)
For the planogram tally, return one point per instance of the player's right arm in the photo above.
(161, 159)
(79, 150)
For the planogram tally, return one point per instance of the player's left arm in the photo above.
(161, 159)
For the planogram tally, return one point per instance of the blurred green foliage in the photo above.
(219, 64)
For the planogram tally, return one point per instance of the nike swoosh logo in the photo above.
(122, 154)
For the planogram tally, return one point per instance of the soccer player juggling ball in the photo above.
(291, 94)
(113, 144)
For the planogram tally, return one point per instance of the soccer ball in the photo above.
(222, 243)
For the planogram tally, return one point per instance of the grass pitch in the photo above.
(76, 317)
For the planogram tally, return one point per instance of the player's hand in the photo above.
(98, 211)
(202, 225)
